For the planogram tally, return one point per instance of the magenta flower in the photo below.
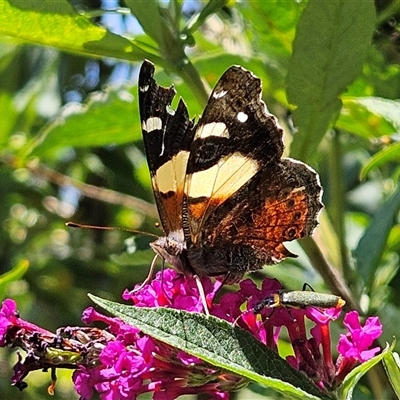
(172, 290)
(354, 347)
(134, 363)
(357, 342)
(9, 320)
(8, 317)
(120, 362)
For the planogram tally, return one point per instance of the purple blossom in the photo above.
(172, 290)
(121, 362)
(136, 363)
(357, 342)
(9, 318)
(354, 346)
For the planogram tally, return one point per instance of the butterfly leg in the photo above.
(150, 274)
(202, 295)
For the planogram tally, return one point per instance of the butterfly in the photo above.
(226, 198)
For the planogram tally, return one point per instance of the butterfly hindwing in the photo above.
(248, 230)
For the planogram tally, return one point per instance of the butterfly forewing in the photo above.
(235, 138)
(167, 136)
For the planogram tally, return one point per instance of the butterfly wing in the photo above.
(243, 200)
(167, 136)
(249, 229)
(235, 138)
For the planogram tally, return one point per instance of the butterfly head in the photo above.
(172, 249)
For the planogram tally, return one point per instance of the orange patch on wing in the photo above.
(286, 212)
(197, 208)
(283, 218)
(172, 202)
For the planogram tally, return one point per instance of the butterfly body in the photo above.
(227, 200)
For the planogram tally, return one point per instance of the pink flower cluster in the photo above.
(120, 362)
(135, 363)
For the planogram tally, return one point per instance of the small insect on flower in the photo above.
(299, 299)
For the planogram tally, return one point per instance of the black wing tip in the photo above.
(147, 67)
(238, 70)
(146, 73)
(146, 81)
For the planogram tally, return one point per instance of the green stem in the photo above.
(182, 66)
(337, 206)
(331, 276)
(192, 78)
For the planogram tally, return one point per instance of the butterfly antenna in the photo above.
(109, 228)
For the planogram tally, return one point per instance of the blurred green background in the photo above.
(71, 147)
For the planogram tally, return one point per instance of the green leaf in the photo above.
(388, 154)
(357, 117)
(219, 343)
(109, 117)
(346, 388)
(383, 118)
(272, 26)
(7, 108)
(373, 242)
(148, 16)
(391, 362)
(11, 276)
(388, 109)
(331, 43)
(56, 23)
(211, 7)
